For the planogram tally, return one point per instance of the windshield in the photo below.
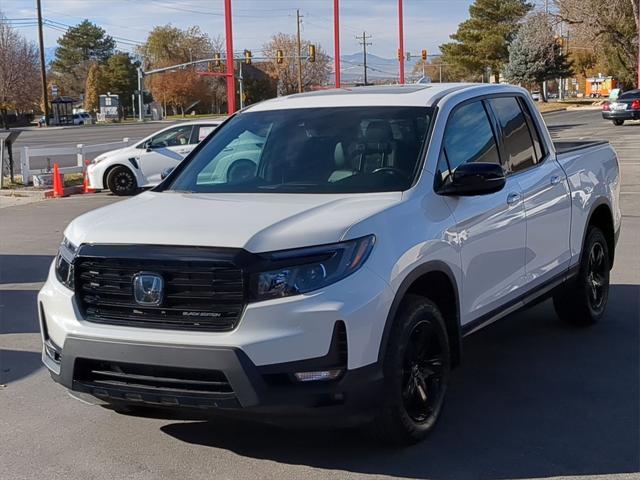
(311, 150)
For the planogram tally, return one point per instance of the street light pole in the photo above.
(336, 40)
(140, 94)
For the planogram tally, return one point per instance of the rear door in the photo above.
(547, 202)
(490, 229)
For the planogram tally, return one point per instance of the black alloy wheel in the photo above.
(597, 277)
(122, 182)
(423, 376)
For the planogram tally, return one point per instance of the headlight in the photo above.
(64, 263)
(98, 159)
(308, 269)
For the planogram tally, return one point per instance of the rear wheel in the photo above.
(121, 181)
(416, 373)
(618, 123)
(584, 300)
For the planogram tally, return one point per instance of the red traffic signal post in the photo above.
(231, 84)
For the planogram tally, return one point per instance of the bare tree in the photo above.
(19, 87)
(611, 29)
(313, 73)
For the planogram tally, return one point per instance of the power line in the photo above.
(363, 41)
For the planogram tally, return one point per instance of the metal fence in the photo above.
(80, 150)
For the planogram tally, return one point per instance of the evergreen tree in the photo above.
(482, 41)
(120, 77)
(78, 48)
(535, 55)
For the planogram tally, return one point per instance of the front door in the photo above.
(490, 230)
(164, 150)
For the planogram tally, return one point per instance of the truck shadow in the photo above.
(533, 398)
(17, 364)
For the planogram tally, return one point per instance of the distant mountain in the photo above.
(378, 68)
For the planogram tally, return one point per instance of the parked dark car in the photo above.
(626, 107)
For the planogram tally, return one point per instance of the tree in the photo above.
(482, 41)
(19, 68)
(315, 73)
(612, 30)
(93, 88)
(78, 48)
(535, 55)
(435, 67)
(120, 77)
(166, 46)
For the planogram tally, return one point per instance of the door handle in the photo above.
(555, 179)
(513, 198)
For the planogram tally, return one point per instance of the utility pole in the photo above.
(43, 67)
(363, 41)
(298, 17)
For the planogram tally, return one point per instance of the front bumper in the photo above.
(253, 389)
(273, 340)
(95, 176)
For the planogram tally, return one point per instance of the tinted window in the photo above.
(310, 150)
(200, 132)
(533, 129)
(517, 138)
(630, 95)
(174, 137)
(468, 138)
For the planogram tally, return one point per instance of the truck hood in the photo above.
(255, 222)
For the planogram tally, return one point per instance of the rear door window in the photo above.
(518, 144)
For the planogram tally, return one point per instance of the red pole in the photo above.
(401, 41)
(336, 40)
(231, 84)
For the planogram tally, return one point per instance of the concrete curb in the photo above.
(557, 110)
(40, 194)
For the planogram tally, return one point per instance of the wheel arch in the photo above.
(435, 281)
(601, 216)
(111, 168)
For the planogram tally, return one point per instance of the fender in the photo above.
(429, 267)
(598, 203)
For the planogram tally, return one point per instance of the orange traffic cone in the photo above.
(85, 180)
(58, 182)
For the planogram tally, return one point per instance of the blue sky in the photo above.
(428, 23)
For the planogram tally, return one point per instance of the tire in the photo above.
(415, 379)
(122, 182)
(584, 300)
(618, 123)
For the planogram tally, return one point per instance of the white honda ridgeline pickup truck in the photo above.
(338, 270)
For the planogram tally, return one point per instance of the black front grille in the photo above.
(129, 377)
(199, 294)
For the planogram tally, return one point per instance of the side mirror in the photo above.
(166, 172)
(474, 179)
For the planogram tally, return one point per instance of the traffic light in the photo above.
(424, 55)
(247, 57)
(279, 57)
(312, 53)
(400, 56)
(217, 61)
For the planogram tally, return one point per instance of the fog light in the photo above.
(321, 375)
(53, 351)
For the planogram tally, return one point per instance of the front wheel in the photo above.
(584, 300)
(416, 373)
(618, 123)
(122, 182)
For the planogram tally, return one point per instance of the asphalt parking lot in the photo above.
(533, 398)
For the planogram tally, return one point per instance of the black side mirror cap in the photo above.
(474, 179)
